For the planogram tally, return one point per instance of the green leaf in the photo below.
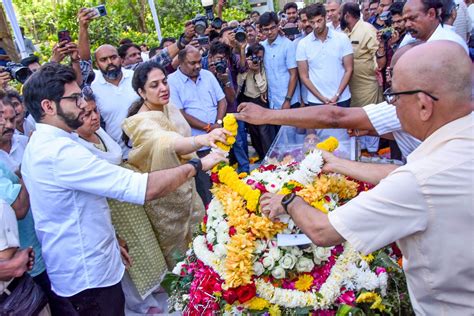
(346, 310)
(170, 282)
(383, 260)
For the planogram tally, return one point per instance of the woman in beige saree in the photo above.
(161, 139)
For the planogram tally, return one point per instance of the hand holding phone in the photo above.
(64, 36)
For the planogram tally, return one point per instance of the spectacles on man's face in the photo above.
(391, 97)
(268, 29)
(77, 97)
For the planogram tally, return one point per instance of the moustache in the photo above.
(8, 130)
(412, 31)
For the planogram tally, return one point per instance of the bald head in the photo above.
(444, 73)
(190, 61)
(109, 62)
(106, 48)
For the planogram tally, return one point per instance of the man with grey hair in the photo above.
(332, 15)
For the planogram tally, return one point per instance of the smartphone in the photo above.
(203, 40)
(64, 36)
(99, 11)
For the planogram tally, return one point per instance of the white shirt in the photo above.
(462, 23)
(470, 10)
(428, 207)
(325, 63)
(383, 117)
(28, 126)
(331, 26)
(68, 186)
(14, 157)
(441, 33)
(113, 103)
(9, 237)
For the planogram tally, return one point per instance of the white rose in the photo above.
(321, 254)
(177, 269)
(268, 262)
(297, 252)
(211, 236)
(304, 265)
(258, 268)
(275, 253)
(278, 273)
(220, 250)
(288, 261)
(260, 246)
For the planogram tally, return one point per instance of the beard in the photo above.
(112, 72)
(69, 119)
(343, 23)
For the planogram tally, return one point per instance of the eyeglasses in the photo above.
(268, 29)
(391, 97)
(77, 97)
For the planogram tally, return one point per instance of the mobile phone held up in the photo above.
(64, 36)
(99, 11)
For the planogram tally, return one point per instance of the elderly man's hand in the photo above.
(270, 205)
(212, 159)
(252, 113)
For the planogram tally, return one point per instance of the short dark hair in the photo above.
(290, 5)
(432, 4)
(29, 60)
(13, 94)
(447, 10)
(125, 41)
(352, 9)
(153, 51)
(217, 47)
(166, 39)
(225, 29)
(303, 11)
(267, 18)
(122, 50)
(314, 10)
(254, 49)
(397, 8)
(46, 84)
(374, 1)
(248, 25)
(254, 12)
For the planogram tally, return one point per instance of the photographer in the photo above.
(253, 88)
(221, 62)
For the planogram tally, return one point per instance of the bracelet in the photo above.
(379, 56)
(207, 128)
(195, 146)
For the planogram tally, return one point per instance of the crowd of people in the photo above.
(104, 153)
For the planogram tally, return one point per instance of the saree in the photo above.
(176, 216)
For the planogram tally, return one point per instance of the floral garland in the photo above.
(230, 124)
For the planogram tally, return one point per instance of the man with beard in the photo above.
(113, 90)
(68, 187)
(422, 22)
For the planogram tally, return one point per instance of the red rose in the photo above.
(230, 296)
(215, 178)
(232, 231)
(246, 292)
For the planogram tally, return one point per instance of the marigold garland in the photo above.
(257, 304)
(229, 176)
(330, 144)
(239, 263)
(230, 124)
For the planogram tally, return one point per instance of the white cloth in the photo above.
(383, 117)
(113, 103)
(428, 207)
(331, 26)
(68, 186)
(462, 23)
(113, 153)
(9, 237)
(470, 10)
(441, 33)
(14, 157)
(28, 126)
(325, 63)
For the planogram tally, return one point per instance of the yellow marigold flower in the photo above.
(304, 282)
(274, 310)
(320, 206)
(369, 258)
(257, 303)
(367, 297)
(203, 227)
(378, 304)
(239, 263)
(329, 144)
(228, 307)
(231, 140)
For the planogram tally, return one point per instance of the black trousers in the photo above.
(104, 301)
(203, 181)
(55, 301)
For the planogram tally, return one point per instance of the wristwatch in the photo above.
(219, 122)
(287, 199)
(196, 163)
(287, 98)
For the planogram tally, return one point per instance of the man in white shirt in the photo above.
(68, 187)
(333, 16)
(422, 22)
(114, 92)
(12, 145)
(427, 206)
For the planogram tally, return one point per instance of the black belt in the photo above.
(10, 288)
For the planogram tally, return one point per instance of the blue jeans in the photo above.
(240, 149)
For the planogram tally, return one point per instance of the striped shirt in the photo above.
(384, 119)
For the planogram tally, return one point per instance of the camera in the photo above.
(200, 24)
(256, 59)
(217, 23)
(18, 72)
(240, 34)
(99, 11)
(221, 66)
(386, 33)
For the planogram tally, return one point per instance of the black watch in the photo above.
(196, 163)
(288, 98)
(287, 199)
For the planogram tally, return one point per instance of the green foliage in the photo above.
(42, 19)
